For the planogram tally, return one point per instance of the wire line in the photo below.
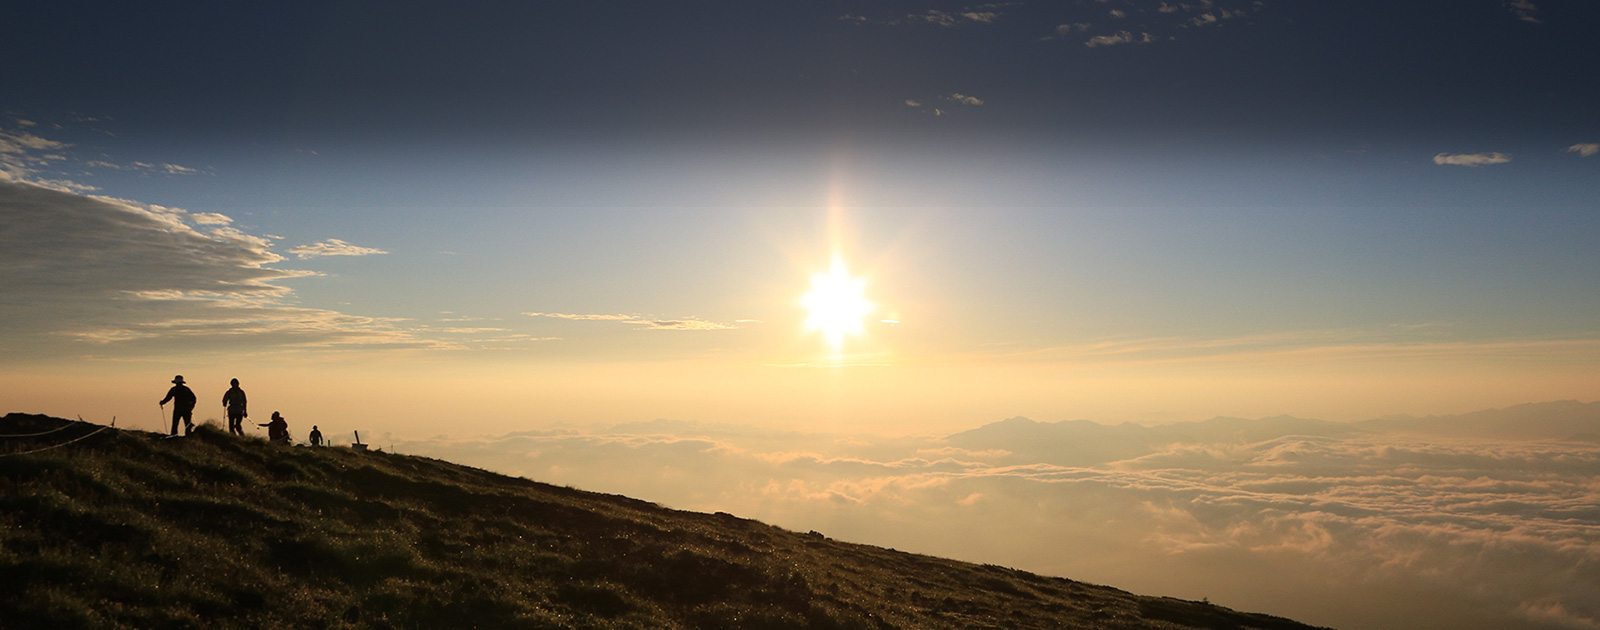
(40, 450)
(23, 435)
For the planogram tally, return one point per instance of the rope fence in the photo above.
(53, 446)
(28, 435)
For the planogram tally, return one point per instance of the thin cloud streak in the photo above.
(333, 247)
(1526, 11)
(1303, 346)
(1121, 37)
(1585, 149)
(638, 320)
(1471, 159)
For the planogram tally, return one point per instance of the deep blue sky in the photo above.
(1294, 103)
(1312, 75)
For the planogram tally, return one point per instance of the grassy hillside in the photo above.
(126, 529)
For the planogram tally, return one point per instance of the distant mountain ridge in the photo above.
(1086, 443)
(103, 528)
(1558, 420)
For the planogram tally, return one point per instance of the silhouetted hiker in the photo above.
(316, 436)
(182, 405)
(234, 402)
(277, 430)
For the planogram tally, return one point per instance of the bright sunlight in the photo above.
(836, 304)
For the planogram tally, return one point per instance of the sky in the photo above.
(469, 221)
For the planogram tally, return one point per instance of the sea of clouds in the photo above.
(1346, 525)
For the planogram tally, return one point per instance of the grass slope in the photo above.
(126, 529)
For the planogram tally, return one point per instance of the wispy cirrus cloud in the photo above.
(85, 273)
(987, 13)
(217, 324)
(589, 317)
(1525, 10)
(23, 154)
(147, 167)
(686, 324)
(333, 247)
(122, 276)
(954, 101)
(932, 16)
(982, 15)
(1062, 30)
(22, 142)
(964, 99)
(1161, 20)
(639, 320)
(1427, 341)
(210, 218)
(1120, 37)
(1471, 159)
(1585, 149)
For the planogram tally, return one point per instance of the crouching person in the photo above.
(277, 430)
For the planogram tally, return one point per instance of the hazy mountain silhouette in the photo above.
(1222, 429)
(1085, 443)
(1065, 443)
(124, 529)
(1559, 420)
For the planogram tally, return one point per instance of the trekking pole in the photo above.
(161, 422)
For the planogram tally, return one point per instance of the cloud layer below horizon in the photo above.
(1325, 525)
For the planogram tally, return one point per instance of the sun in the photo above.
(836, 304)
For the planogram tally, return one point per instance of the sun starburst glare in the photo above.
(836, 304)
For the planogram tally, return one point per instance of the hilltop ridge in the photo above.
(125, 529)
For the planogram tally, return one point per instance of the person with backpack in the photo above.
(233, 401)
(277, 430)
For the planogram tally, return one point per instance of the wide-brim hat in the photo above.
(178, 379)
(275, 416)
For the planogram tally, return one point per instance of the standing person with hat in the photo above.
(234, 402)
(182, 405)
(277, 430)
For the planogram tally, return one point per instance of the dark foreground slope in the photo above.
(125, 529)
